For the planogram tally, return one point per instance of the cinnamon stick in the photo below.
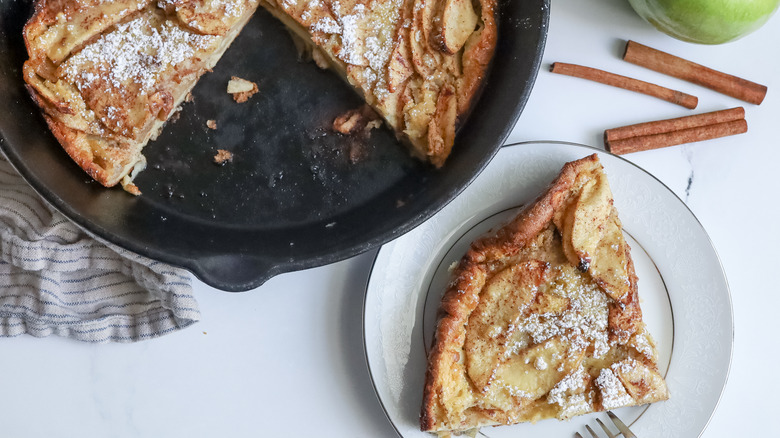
(676, 124)
(690, 135)
(615, 80)
(666, 63)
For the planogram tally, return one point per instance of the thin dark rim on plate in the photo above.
(696, 219)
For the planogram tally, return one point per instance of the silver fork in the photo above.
(619, 424)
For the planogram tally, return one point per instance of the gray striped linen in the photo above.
(56, 279)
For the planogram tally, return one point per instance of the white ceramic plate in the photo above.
(685, 296)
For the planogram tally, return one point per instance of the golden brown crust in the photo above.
(418, 63)
(446, 370)
(462, 296)
(109, 73)
(477, 54)
(74, 143)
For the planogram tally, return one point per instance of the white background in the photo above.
(287, 359)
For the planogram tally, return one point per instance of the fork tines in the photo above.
(626, 433)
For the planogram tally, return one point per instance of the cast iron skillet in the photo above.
(296, 195)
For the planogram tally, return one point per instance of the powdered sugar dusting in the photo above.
(138, 51)
(573, 382)
(326, 25)
(570, 394)
(366, 34)
(583, 323)
(643, 345)
(576, 404)
(229, 8)
(351, 41)
(513, 390)
(232, 8)
(613, 393)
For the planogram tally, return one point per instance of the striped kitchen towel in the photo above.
(56, 279)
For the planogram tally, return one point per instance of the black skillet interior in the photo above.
(296, 195)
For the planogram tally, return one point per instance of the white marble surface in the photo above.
(287, 359)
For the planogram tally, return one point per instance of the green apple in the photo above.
(706, 21)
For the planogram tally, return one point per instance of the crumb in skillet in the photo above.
(356, 120)
(223, 156)
(241, 89)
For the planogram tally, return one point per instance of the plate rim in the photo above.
(600, 151)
